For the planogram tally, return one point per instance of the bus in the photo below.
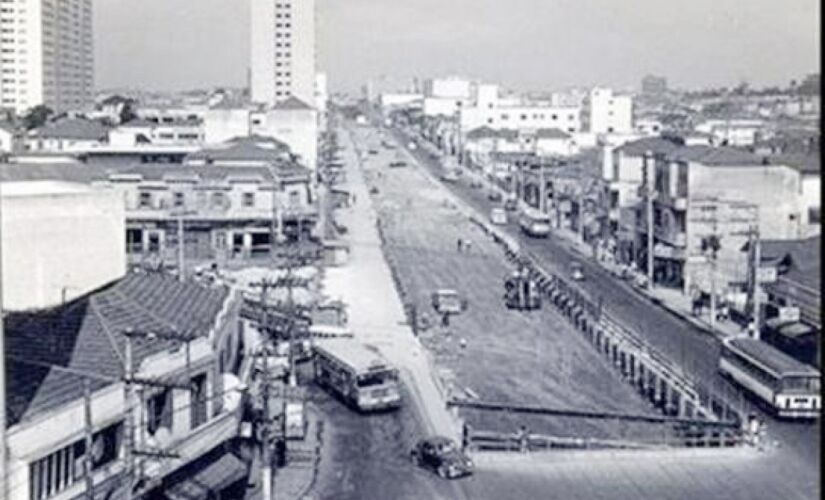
(789, 387)
(356, 373)
(534, 223)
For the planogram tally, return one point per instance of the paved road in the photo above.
(365, 457)
(693, 349)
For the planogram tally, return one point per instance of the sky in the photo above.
(522, 44)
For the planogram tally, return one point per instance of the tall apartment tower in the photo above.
(282, 51)
(46, 54)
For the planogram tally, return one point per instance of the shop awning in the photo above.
(211, 479)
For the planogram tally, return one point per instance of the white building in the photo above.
(282, 62)
(608, 113)
(290, 121)
(49, 224)
(519, 117)
(451, 87)
(737, 132)
(321, 100)
(8, 138)
(140, 131)
(67, 135)
(47, 55)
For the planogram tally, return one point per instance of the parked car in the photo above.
(398, 164)
(449, 176)
(498, 216)
(494, 195)
(373, 151)
(448, 301)
(441, 455)
(511, 205)
(475, 183)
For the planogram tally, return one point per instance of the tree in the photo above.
(37, 116)
(127, 111)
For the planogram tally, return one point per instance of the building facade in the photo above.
(282, 62)
(46, 55)
(608, 113)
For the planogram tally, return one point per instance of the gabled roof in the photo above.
(715, 156)
(292, 104)
(551, 133)
(47, 351)
(73, 128)
(655, 145)
(252, 148)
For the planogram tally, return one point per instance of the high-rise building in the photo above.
(282, 51)
(46, 54)
(608, 113)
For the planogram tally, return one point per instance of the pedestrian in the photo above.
(465, 436)
(460, 245)
(445, 319)
(523, 437)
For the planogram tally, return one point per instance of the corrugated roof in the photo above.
(45, 348)
(73, 128)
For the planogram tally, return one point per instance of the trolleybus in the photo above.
(534, 223)
(789, 387)
(357, 373)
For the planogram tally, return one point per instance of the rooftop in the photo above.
(47, 351)
(715, 156)
(798, 259)
(655, 145)
(292, 104)
(551, 133)
(72, 128)
(772, 358)
(41, 188)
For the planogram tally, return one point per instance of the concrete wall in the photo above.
(59, 239)
(220, 125)
(297, 128)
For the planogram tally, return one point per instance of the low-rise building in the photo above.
(141, 132)
(60, 240)
(67, 135)
(53, 356)
(734, 132)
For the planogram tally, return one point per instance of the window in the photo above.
(249, 199)
(198, 414)
(54, 473)
(218, 200)
(159, 411)
(178, 199)
(145, 200)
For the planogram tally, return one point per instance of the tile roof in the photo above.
(551, 133)
(47, 351)
(653, 144)
(715, 156)
(292, 104)
(253, 148)
(805, 163)
(73, 128)
(83, 173)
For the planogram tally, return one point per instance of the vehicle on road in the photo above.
(494, 195)
(789, 387)
(275, 363)
(357, 373)
(475, 183)
(295, 421)
(449, 175)
(534, 223)
(373, 151)
(576, 271)
(511, 204)
(448, 301)
(498, 216)
(441, 455)
(521, 291)
(398, 164)
(412, 145)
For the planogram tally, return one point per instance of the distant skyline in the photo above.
(523, 44)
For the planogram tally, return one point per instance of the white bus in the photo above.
(790, 387)
(534, 223)
(357, 373)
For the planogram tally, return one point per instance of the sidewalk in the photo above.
(679, 304)
(376, 314)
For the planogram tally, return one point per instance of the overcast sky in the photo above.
(525, 44)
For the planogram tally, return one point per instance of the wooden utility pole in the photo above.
(757, 257)
(128, 422)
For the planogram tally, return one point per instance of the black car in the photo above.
(442, 456)
(510, 204)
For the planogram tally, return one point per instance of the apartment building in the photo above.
(282, 62)
(46, 55)
(608, 113)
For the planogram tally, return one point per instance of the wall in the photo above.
(609, 113)
(44, 231)
(297, 128)
(220, 125)
(566, 119)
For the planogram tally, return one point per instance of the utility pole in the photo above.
(542, 190)
(265, 449)
(650, 194)
(757, 257)
(89, 434)
(130, 450)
